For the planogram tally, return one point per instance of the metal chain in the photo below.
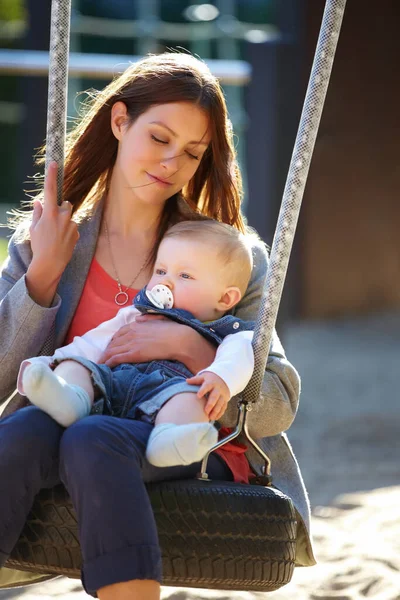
(122, 292)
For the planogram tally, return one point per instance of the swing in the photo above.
(213, 534)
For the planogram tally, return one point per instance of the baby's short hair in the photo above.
(233, 249)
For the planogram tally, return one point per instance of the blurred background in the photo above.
(340, 312)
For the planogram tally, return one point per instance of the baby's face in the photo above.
(192, 272)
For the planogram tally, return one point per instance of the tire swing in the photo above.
(213, 534)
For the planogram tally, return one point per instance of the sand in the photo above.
(346, 439)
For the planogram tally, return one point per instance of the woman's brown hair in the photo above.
(91, 148)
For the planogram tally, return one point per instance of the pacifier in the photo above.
(161, 296)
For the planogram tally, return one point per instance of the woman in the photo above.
(153, 148)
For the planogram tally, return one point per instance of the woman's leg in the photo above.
(101, 466)
(29, 442)
(146, 590)
(131, 590)
(217, 470)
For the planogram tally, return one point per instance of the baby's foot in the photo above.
(65, 403)
(170, 445)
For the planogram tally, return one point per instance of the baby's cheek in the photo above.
(198, 305)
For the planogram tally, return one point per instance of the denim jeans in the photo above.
(137, 391)
(101, 462)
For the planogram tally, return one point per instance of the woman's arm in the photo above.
(153, 337)
(25, 324)
(29, 279)
(276, 408)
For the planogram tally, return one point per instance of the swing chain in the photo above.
(241, 427)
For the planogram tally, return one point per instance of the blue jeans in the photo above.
(137, 391)
(101, 461)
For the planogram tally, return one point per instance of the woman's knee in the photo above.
(98, 442)
(27, 435)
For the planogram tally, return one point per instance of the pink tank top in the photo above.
(97, 302)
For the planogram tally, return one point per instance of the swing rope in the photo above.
(58, 88)
(293, 192)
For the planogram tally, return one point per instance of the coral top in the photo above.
(97, 305)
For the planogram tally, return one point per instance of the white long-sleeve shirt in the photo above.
(234, 360)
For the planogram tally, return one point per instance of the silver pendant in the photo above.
(124, 296)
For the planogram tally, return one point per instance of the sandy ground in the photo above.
(346, 438)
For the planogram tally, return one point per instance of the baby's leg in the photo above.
(66, 393)
(182, 434)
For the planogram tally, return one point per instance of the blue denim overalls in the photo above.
(138, 391)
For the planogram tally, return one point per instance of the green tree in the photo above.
(12, 10)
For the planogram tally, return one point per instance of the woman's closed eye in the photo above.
(158, 141)
(153, 137)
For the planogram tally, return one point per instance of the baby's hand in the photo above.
(217, 390)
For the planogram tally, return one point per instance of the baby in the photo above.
(201, 272)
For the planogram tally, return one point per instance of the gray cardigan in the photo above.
(28, 329)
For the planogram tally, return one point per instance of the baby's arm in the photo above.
(228, 374)
(92, 344)
(234, 361)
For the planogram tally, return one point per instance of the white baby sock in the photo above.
(170, 445)
(64, 402)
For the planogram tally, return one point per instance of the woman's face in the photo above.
(160, 152)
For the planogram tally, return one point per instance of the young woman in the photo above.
(153, 148)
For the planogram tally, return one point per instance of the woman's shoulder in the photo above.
(259, 251)
(247, 309)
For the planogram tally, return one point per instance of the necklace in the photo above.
(121, 297)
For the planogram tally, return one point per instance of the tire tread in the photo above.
(213, 535)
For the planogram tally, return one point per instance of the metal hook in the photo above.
(241, 427)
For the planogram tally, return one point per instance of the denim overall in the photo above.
(138, 391)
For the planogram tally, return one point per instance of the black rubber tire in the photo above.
(214, 535)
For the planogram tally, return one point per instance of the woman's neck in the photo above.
(127, 217)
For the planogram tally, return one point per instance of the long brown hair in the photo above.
(91, 148)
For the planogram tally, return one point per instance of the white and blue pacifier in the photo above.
(161, 296)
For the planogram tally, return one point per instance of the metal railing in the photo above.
(105, 66)
(225, 26)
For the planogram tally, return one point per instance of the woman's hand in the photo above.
(53, 233)
(154, 337)
(53, 238)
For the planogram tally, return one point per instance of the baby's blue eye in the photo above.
(160, 272)
(185, 276)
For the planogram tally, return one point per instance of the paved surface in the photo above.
(349, 403)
